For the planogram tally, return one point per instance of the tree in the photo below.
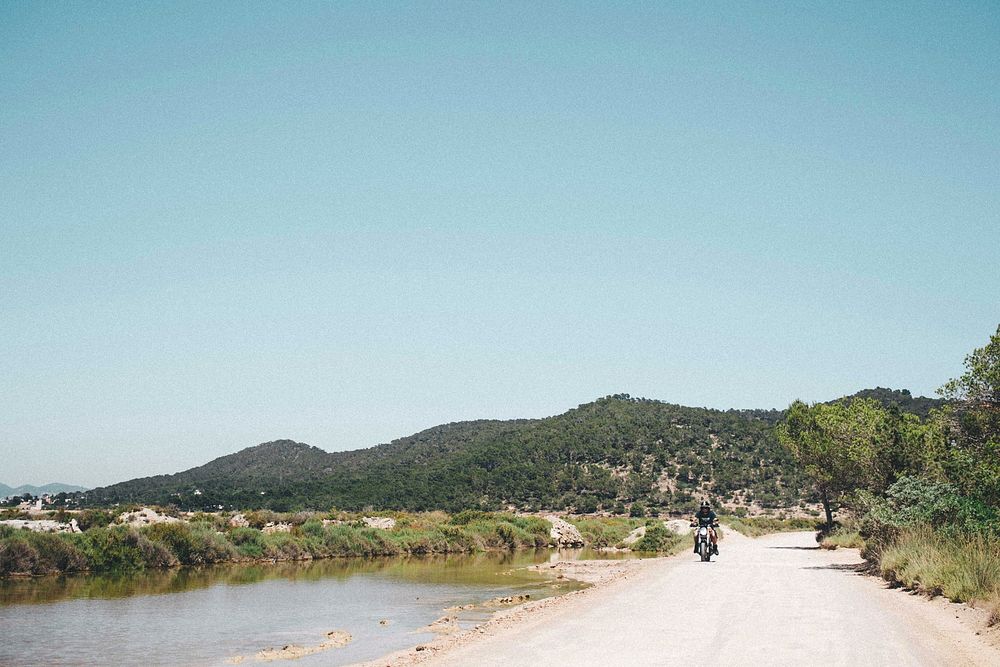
(971, 424)
(841, 446)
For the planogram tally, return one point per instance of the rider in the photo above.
(706, 517)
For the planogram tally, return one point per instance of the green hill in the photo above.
(613, 451)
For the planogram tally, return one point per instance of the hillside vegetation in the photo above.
(610, 454)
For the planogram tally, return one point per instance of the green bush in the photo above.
(94, 518)
(600, 532)
(56, 553)
(466, 517)
(764, 525)
(284, 546)
(17, 556)
(659, 539)
(192, 544)
(122, 548)
(248, 541)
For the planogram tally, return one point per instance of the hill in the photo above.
(53, 488)
(614, 451)
(900, 398)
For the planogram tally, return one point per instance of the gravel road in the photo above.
(776, 600)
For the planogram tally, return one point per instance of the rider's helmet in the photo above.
(705, 505)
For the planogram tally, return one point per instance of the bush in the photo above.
(604, 532)
(248, 541)
(638, 510)
(122, 548)
(17, 556)
(192, 544)
(659, 539)
(56, 553)
(284, 546)
(92, 518)
(765, 525)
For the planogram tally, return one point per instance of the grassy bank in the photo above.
(961, 567)
(764, 525)
(600, 532)
(210, 539)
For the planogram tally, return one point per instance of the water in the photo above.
(206, 616)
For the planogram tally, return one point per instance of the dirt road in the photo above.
(776, 600)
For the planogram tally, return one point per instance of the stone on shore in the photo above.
(564, 533)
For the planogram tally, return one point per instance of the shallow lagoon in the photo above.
(204, 616)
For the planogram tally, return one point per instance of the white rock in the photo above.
(42, 525)
(145, 517)
(564, 533)
(272, 527)
(380, 522)
(635, 536)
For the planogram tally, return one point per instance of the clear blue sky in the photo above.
(226, 223)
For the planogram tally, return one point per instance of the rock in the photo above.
(239, 521)
(42, 526)
(380, 522)
(272, 527)
(145, 517)
(634, 536)
(564, 533)
(679, 526)
(334, 639)
(337, 639)
(445, 625)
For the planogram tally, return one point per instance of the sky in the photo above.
(228, 223)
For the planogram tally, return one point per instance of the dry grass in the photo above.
(847, 538)
(962, 568)
(765, 525)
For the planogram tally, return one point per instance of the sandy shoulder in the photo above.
(604, 577)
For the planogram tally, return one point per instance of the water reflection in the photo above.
(448, 569)
(206, 616)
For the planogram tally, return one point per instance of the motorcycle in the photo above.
(704, 542)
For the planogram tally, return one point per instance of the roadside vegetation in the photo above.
(658, 539)
(924, 492)
(601, 532)
(208, 538)
(764, 525)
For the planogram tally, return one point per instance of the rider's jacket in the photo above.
(705, 519)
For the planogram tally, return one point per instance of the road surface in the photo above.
(775, 600)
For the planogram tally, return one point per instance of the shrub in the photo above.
(192, 544)
(122, 548)
(284, 546)
(659, 539)
(248, 541)
(764, 525)
(17, 556)
(637, 510)
(466, 517)
(92, 518)
(604, 532)
(56, 553)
